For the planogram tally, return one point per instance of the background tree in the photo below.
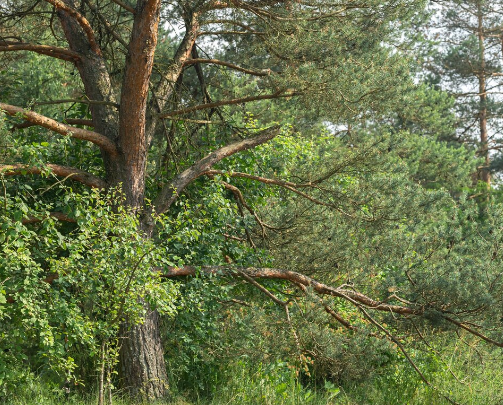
(467, 64)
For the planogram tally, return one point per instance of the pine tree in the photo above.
(468, 64)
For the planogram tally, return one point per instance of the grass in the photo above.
(470, 379)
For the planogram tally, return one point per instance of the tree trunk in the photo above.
(485, 174)
(142, 366)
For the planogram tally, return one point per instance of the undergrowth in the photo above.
(476, 379)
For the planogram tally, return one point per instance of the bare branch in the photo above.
(330, 311)
(293, 187)
(223, 32)
(473, 332)
(264, 72)
(238, 195)
(298, 279)
(71, 121)
(53, 51)
(61, 171)
(133, 139)
(77, 100)
(253, 282)
(265, 180)
(241, 100)
(171, 191)
(102, 141)
(79, 121)
(107, 25)
(125, 6)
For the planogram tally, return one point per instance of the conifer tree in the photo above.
(468, 64)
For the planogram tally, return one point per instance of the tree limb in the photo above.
(107, 25)
(241, 100)
(264, 72)
(473, 331)
(53, 51)
(71, 121)
(61, 171)
(293, 187)
(329, 310)
(125, 6)
(77, 100)
(171, 191)
(82, 22)
(102, 141)
(356, 298)
(298, 279)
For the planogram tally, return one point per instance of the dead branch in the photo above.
(329, 310)
(107, 25)
(293, 187)
(238, 195)
(70, 121)
(265, 72)
(125, 6)
(242, 100)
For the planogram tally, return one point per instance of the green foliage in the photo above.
(104, 275)
(381, 207)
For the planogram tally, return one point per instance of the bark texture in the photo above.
(132, 117)
(142, 366)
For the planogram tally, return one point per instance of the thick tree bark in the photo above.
(132, 118)
(142, 366)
